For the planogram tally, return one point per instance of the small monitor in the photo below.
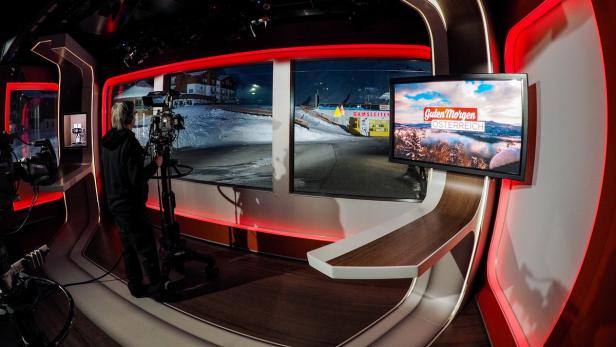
(474, 123)
(75, 130)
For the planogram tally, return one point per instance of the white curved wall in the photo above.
(542, 230)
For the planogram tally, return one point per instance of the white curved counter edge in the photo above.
(319, 258)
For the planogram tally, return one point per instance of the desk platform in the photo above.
(450, 212)
(68, 176)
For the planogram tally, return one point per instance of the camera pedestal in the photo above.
(173, 250)
(174, 254)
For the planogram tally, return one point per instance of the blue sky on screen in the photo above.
(499, 101)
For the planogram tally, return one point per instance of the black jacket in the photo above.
(124, 176)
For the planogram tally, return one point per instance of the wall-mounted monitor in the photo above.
(474, 123)
(75, 130)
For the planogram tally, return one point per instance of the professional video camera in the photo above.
(39, 169)
(164, 129)
(166, 124)
(20, 293)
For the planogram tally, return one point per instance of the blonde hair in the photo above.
(121, 115)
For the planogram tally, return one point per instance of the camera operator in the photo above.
(126, 188)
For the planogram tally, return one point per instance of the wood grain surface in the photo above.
(413, 243)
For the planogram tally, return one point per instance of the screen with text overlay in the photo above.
(474, 124)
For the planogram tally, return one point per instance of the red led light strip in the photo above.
(43, 198)
(16, 86)
(292, 53)
(512, 60)
(280, 54)
(602, 192)
(155, 206)
(513, 63)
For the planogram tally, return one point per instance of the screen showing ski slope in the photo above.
(341, 128)
(227, 113)
(471, 125)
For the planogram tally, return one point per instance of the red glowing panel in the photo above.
(17, 86)
(516, 49)
(277, 231)
(516, 46)
(519, 48)
(43, 198)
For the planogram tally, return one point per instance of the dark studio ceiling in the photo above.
(133, 34)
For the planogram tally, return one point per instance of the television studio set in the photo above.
(308, 173)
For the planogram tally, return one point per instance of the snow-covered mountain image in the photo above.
(473, 124)
(420, 143)
(223, 145)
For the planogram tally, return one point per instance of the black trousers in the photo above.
(137, 236)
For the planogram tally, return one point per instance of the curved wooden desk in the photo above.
(438, 244)
(408, 251)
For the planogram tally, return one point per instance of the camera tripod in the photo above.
(173, 250)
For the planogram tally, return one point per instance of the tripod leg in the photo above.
(165, 269)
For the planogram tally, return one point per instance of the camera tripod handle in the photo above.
(31, 261)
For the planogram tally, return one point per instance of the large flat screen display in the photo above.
(472, 123)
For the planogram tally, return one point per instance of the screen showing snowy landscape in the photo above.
(228, 119)
(472, 124)
(341, 128)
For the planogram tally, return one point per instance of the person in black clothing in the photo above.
(125, 180)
